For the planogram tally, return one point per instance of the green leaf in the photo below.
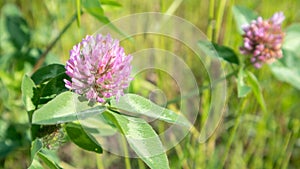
(35, 164)
(207, 47)
(45, 92)
(138, 105)
(64, 108)
(55, 86)
(110, 3)
(243, 16)
(81, 138)
(243, 90)
(36, 146)
(49, 158)
(18, 30)
(254, 84)
(94, 8)
(292, 39)
(47, 72)
(27, 93)
(226, 53)
(215, 50)
(287, 68)
(142, 139)
(105, 20)
(98, 126)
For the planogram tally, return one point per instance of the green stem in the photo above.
(232, 67)
(78, 5)
(219, 20)
(232, 133)
(291, 143)
(228, 28)
(99, 161)
(180, 154)
(43, 56)
(284, 150)
(173, 7)
(126, 153)
(141, 164)
(170, 11)
(211, 20)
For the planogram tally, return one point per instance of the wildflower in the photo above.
(98, 68)
(263, 40)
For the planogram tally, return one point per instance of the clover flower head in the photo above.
(98, 68)
(263, 39)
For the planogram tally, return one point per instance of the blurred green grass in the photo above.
(258, 140)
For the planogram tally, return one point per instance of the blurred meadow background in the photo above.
(247, 136)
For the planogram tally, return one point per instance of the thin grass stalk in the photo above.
(180, 155)
(141, 164)
(229, 19)
(99, 161)
(126, 153)
(220, 14)
(210, 28)
(291, 143)
(233, 132)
